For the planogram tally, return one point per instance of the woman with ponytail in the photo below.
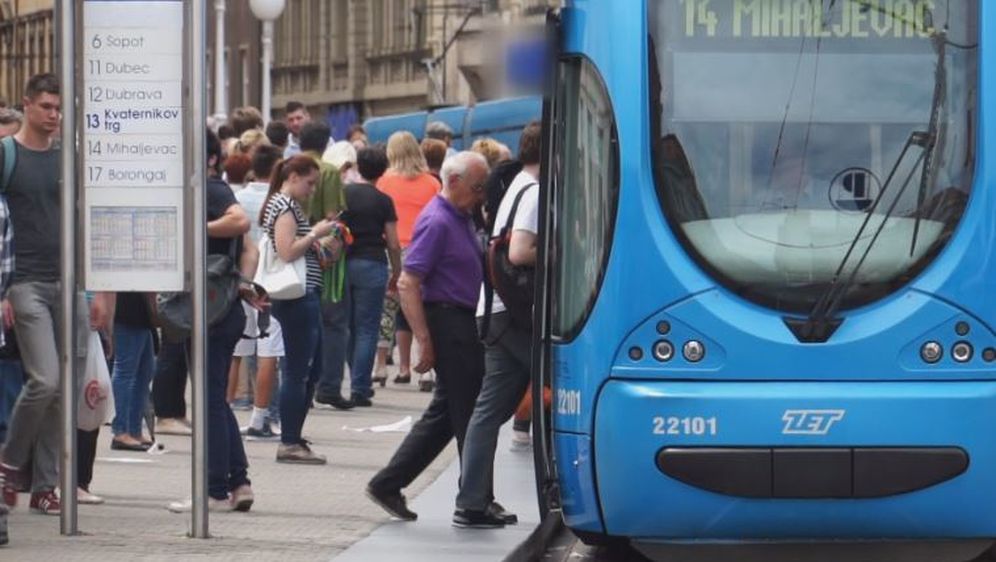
(284, 222)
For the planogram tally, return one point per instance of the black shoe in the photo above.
(392, 503)
(498, 510)
(360, 401)
(120, 446)
(334, 400)
(470, 519)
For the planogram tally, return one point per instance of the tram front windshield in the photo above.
(794, 140)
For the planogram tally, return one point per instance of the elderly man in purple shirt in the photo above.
(439, 288)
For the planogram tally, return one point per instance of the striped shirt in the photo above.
(277, 206)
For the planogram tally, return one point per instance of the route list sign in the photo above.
(132, 146)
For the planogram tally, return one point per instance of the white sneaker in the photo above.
(274, 426)
(86, 498)
(184, 506)
(521, 441)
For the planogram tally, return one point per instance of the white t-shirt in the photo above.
(251, 198)
(526, 219)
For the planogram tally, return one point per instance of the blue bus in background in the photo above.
(767, 279)
(502, 120)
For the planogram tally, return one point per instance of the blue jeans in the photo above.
(134, 365)
(228, 467)
(367, 281)
(302, 325)
(335, 339)
(11, 382)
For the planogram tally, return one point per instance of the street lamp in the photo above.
(267, 11)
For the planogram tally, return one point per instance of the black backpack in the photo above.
(514, 284)
(496, 186)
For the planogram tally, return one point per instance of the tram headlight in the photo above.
(693, 351)
(931, 352)
(663, 351)
(962, 352)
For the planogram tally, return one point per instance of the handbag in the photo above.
(96, 402)
(282, 280)
(175, 311)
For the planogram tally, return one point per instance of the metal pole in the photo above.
(220, 91)
(66, 14)
(267, 65)
(196, 12)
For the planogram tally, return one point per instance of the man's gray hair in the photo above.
(458, 164)
(438, 130)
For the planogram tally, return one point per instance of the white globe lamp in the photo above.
(267, 11)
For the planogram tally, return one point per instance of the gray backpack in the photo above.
(9, 161)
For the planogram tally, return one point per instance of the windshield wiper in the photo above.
(821, 322)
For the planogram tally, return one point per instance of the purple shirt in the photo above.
(445, 254)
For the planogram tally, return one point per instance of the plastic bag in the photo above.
(96, 404)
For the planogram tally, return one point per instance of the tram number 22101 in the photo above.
(674, 425)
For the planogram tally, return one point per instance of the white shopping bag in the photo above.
(96, 404)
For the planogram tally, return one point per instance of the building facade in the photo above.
(243, 52)
(349, 60)
(27, 45)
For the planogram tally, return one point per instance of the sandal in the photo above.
(403, 379)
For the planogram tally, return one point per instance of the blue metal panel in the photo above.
(638, 500)
(379, 129)
(575, 465)
(741, 340)
(455, 118)
(504, 120)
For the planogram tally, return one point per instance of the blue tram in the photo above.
(768, 306)
(502, 120)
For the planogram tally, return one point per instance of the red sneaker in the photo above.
(46, 503)
(9, 484)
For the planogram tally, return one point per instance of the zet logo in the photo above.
(810, 422)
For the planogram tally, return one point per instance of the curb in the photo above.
(536, 545)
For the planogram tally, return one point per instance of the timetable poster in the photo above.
(132, 145)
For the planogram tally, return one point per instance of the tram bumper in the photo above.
(808, 461)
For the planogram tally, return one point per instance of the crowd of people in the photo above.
(394, 240)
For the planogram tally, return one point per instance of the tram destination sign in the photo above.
(132, 146)
(793, 19)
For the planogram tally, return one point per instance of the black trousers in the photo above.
(459, 371)
(170, 382)
(86, 448)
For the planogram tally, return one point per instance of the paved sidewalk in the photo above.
(434, 539)
(301, 512)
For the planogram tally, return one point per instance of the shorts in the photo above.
(270, 346)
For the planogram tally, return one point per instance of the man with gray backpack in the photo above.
(505, 322)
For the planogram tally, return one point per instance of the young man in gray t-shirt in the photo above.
(33, 302)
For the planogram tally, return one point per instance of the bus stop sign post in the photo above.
(141, 165)
(66, 17)
(195, 17)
